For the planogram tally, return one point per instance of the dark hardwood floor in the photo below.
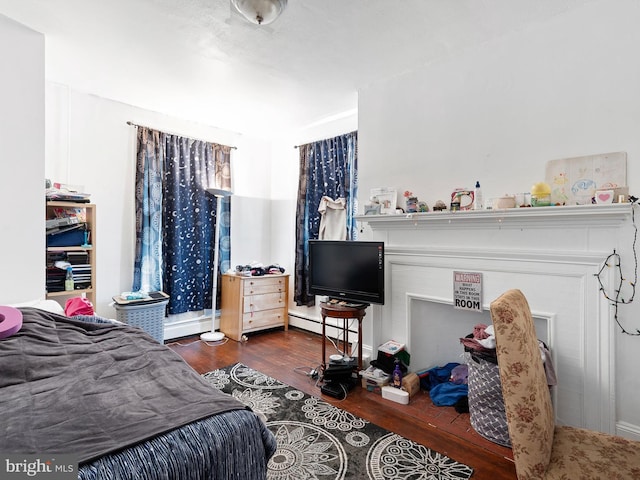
(287, 356)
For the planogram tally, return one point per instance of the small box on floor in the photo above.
(395, 394)
(411, 384)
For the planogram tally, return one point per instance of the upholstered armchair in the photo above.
(542, 450)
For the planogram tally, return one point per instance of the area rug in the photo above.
(317, 440)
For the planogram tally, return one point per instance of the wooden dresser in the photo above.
(249, 304)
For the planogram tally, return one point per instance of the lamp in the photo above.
(214, 336)
(260, 12)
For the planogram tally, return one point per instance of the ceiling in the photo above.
(200, 60)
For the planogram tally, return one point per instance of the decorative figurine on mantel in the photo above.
(439, 206)
(411, 202)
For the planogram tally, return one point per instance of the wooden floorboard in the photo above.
(287, 356)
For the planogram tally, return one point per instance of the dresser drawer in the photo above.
(260, 285)
(265, 318)
(254, 303)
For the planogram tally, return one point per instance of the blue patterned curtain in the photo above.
(147, 271)
(184, 248)
(328, 167)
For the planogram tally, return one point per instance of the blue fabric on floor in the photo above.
(448, 394)
(437, 375)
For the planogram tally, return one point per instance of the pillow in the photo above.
(47, 305)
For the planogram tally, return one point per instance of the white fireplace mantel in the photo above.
(552, 254)
(566, 216)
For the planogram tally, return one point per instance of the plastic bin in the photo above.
(148, 316)
(372, 383)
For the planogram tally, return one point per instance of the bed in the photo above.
(122, 404)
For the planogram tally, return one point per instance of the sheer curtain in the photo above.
(327, 168)
(147, 270)
(175, 217)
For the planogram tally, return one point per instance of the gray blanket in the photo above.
(68, 386)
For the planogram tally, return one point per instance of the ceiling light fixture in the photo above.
(260, 12)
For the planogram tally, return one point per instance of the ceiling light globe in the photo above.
(260, 12)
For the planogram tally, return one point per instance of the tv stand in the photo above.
(343, 310)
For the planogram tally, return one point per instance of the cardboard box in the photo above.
(411, 384)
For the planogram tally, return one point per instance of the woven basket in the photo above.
(486, 404)
(149, 317)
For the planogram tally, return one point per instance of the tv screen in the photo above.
(352, 271)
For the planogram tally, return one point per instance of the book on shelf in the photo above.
(66, 228)
(61, 222)
(78, 258)
(81, 267)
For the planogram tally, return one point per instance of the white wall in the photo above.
(22, 242)
(563, 88)
(497, 113)
(250, 205)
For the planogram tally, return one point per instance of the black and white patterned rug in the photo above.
(317, 440)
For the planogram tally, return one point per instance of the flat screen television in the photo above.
(352, 271)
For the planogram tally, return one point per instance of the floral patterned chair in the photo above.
(542, 450)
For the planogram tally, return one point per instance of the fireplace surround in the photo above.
(552, 254)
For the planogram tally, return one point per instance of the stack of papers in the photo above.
(68, 193)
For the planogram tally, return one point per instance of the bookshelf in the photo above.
(68, 244)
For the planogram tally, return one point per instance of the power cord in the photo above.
(308, 371)
(216, 344)
(219, 343)
(344, 354)
(182, 344)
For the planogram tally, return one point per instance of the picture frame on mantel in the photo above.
(387, 197)
(372, 209)
(574, 181)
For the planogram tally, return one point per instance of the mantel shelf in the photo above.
(612, 215)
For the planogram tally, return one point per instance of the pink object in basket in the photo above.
(10, 321)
